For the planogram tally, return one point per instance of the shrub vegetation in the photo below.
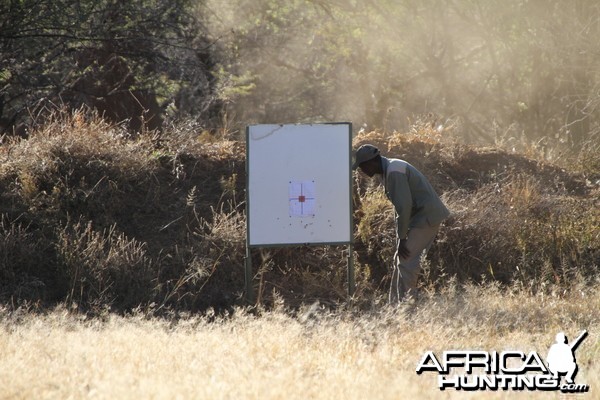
(97, 218)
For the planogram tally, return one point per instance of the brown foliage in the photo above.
(94, 217)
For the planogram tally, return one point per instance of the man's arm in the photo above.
(400, 196)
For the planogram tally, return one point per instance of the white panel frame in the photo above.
(278, 154)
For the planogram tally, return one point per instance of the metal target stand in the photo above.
(345, 171)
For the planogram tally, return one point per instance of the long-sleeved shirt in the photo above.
(414, 199)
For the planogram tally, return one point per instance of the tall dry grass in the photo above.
(313, 353)
(94, 217)
(514, 218)
(97, 218)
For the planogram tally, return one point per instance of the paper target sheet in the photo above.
(302, 199)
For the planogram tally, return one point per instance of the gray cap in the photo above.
(364, 153)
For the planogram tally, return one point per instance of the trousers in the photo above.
(405, 271)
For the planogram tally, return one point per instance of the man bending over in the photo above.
(419, 214)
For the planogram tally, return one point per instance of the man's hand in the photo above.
(402, 251)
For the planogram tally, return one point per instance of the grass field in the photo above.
(314, 353)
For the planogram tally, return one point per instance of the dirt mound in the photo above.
(93, 217)
(451, 165)
(513, 218)
(83, 203)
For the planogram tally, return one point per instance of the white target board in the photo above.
(299, 184)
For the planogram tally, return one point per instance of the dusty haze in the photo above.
(511, 71)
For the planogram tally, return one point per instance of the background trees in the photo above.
(517, 69)
(512, 71)
(128, 59)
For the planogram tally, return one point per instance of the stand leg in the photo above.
(351, 282)
(248, 278)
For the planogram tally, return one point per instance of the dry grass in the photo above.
(312, 354)
(514, 218)
(93, 216)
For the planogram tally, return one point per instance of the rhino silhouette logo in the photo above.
(561, 356)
